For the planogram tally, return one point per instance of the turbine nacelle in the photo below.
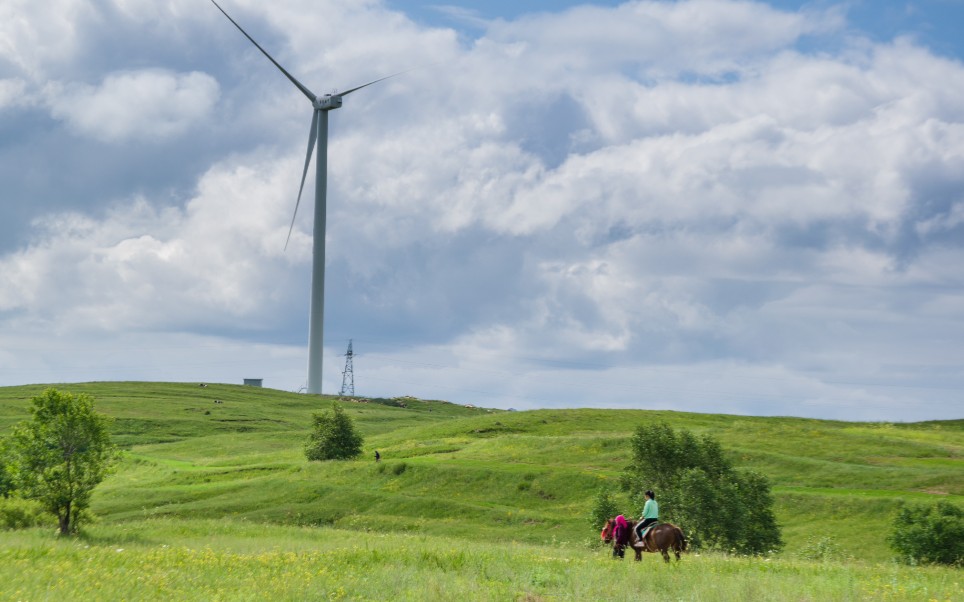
(327, 102)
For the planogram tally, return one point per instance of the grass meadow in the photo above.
(182, 559)
(215, 501)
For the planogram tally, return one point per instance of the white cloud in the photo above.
(34, 35)
(657, 39)
(216, 263)
(140, 105)
(11, 92)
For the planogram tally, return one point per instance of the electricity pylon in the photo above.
(348, 376)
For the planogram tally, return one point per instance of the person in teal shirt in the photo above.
(650, 514)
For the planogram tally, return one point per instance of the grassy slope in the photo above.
(487, 475)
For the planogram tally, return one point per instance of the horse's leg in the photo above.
(662, 546)
(645, 547)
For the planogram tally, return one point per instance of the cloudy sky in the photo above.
(706, 205)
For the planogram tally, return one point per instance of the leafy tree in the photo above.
(333, 436)
(716, 505)
(61, 453)
(929, 534)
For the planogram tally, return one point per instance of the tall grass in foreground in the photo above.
(225, 560)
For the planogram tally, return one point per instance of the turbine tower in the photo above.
(317, 136)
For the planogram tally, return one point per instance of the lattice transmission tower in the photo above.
(348, 375)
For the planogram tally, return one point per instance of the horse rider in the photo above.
(650, 514)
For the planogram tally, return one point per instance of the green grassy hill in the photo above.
(486, 475)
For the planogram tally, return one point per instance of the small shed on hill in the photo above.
(253, 382)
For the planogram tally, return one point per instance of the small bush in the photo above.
(16, 513)
(603, 508)
(824, 549)
(399, 468)
(333, 437)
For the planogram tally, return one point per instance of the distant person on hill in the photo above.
(650, 514)
(378, 456)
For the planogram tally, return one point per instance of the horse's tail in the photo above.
(682, 538)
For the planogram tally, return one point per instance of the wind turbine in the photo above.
(318, 135)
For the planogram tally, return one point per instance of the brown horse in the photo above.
(661, 538)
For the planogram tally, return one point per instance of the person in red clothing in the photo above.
(620, 537)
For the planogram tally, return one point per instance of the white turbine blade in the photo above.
(311, 96)
(312, 136)
(380, 79)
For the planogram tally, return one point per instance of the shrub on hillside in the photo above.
(697, 488)
(603, 508)
(6, 469)
(929, 534)
(16, 513)
(333, 436)
(395, 402)
(824, 549)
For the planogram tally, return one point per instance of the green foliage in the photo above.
(717, 506)
(16, 513)
(760, 532)
(604, 507)
(6, 469)
(333, 436)
(929, 534)
(663, 454)
(61, 454)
